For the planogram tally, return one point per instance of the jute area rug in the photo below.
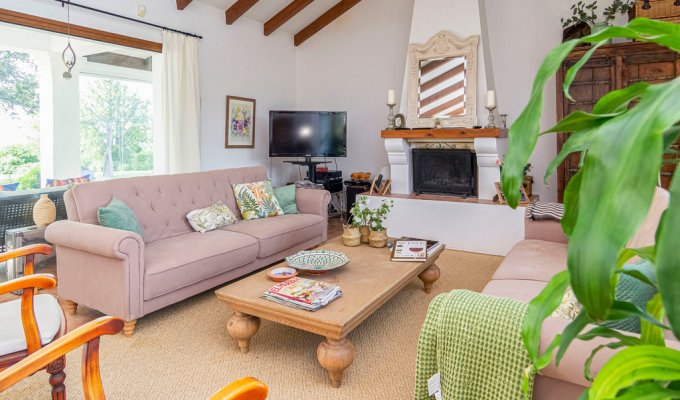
(184, 352)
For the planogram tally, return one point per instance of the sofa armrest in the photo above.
(313, 201)
(95, 239)
(102, 268)
(548, 230)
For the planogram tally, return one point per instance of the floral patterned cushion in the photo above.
(210, 218)
(257, 200)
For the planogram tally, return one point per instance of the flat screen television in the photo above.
(307, 134)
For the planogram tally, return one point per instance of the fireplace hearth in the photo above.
(445, 171)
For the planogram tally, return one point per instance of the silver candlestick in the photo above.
(390, 118)
(492, 117)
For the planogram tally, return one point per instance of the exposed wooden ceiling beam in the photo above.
(182, 4)
(285, 15)
(238, 9)
(321, 22)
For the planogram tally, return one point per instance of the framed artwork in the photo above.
(240, 130)
(524, 199)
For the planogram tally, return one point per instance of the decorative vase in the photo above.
(364, 231)
(378, 239)
(351, 237)
(44, 211)
(528, 184)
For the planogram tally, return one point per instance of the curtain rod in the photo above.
(65, 2)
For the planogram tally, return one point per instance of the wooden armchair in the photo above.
(32, 321)
(88, 335)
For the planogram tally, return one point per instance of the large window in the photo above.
(116, 136)
(19, 121)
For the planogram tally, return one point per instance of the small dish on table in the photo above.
(281, 274)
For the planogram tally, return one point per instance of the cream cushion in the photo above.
(48, 314)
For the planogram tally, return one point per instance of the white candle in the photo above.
(491, 98)
(391, 97)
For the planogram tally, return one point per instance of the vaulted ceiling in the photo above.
(302, 18)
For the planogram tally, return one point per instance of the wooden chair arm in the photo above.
(29, 284)
(242, 389)
(38, 281)
(44, 249)
(87, 335)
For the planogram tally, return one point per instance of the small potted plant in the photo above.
(378, 235)
(358, 226)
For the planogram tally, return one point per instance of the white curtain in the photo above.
(181, 103)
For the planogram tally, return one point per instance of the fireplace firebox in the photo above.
(445, 171)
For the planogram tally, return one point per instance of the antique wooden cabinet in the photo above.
(612, 67)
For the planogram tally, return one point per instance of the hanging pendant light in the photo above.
(646, 5)
(68, 56)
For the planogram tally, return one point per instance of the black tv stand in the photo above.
(311, 166)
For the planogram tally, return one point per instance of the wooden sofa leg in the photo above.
(129, 327)
(71, 307)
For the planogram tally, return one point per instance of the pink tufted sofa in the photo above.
(120, 274)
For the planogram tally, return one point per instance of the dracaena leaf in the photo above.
(623, 309)
(668, 258)
(571, 72)
(580, 120)
(650, 333)
(649, 391)
(617, 167)
(571, 203)
(633, 365)
(540, 308)
(618, 100)
(587, 368)
(570, 333)
(578, 142)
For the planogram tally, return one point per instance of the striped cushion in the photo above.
(9, 187)
(542, 211)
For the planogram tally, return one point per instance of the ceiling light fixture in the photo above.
(646, 5)
(68, 56)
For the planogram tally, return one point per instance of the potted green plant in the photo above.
(378, 234)
(623, 142)
(359, 222)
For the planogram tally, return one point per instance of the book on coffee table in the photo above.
(409, 250)
(306, 294)
(433, 246)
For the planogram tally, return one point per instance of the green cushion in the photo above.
(286, 197)
(118, 215)
(633, 291)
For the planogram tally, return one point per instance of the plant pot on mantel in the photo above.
(378, 239)
(364, 231)
(351, 237)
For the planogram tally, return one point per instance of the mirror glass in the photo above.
(442, 87)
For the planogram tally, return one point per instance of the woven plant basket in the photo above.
(351, 237)
(377, 239)
(364, 231)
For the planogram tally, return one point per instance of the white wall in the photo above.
(234, 60)
(349, 66)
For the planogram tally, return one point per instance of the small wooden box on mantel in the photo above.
(445, 133)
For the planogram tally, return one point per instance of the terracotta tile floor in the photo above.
(85, 315)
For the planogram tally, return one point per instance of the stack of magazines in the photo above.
(305, 294)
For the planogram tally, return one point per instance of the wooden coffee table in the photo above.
(367, 282)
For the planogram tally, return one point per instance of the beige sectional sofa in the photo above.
(122, 274)
(524, 273)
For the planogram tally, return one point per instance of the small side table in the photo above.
(20, 237)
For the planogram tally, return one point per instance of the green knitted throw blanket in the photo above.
(474, 341)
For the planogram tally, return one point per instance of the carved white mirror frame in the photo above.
(444, 44)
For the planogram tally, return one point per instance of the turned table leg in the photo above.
(429, 276)
(129, 327)
(335, 356)
(243, 327)
(57, 378)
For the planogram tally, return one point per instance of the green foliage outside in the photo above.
(31, 180)
(18, 83)
(622, 143)
(115, 126)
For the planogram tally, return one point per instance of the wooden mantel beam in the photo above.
(238, 9)
(285, 15)
(182, 4)
(321, 22)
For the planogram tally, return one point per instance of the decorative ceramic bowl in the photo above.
(317, 261)
(281, 274)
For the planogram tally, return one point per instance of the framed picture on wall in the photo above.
(240, 129)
